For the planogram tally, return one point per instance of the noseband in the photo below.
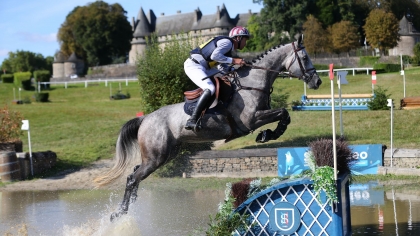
(305, 72)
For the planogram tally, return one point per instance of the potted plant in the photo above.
(10, 130)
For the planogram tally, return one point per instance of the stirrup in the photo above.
(192, 125)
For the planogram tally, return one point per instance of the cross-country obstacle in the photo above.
(323, 102)
(410, 103)
(293, 208)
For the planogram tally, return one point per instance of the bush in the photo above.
(10, 125)
(368, 61)
(42, 76)
(379, 101)
(20, 77)
(161, 73)
(41, 97)
(382, 67)
(7, 78)
(416, 58)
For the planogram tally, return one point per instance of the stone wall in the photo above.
(113, 71)
(244, 163)
(249, 163)
(402, 158)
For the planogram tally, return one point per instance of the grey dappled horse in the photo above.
(157, 136)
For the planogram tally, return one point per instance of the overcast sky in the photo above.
(32, 25)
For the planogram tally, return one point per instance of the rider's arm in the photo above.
(223, 47)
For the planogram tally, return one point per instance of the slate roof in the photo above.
(185, 22)
(407, 28)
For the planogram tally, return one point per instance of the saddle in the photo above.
(223, 91)
(221, 97)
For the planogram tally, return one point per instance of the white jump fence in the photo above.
(86, 82)
(349, 69)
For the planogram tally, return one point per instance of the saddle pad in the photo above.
(190, 106)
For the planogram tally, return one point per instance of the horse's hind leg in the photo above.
(151, 161)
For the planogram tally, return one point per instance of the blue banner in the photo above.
(291, 161)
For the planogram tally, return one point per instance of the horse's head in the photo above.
(300, 65)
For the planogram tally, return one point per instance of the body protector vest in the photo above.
(207, 48)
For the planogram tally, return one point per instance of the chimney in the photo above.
(250, 12)
(162, 14)
(178, 12)
(218, 13)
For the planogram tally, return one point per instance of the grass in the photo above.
(81, 124)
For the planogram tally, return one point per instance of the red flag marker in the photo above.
(373, 77)
(331, 71)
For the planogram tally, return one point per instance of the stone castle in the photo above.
(198, 26)
(194, 23)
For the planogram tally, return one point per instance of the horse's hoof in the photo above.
(261, 137)
(115, 215)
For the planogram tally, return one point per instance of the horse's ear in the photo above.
(300, 39)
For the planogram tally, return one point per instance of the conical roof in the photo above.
(142, 27)
(224, 20)
(406, 27)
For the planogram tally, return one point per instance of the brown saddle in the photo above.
(223, 90)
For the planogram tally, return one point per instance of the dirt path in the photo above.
(81, 179)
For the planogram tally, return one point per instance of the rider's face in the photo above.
(242, 43)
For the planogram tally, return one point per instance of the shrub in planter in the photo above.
(41, 97)
(379, 102)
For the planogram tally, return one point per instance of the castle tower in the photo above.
(58, 66)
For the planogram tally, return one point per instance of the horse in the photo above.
(157, 137)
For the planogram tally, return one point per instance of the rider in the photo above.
(203, 61)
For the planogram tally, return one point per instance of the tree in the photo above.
(416, 51)
(98, 32)
(255, 42)
(381, 29)
(22, 61)
(314, 35)
(281, 20)
(344, 36)
(327, 12)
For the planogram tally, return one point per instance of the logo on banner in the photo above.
(284, 218)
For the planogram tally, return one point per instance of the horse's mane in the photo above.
(261, 56)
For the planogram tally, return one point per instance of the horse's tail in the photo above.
(127, 147)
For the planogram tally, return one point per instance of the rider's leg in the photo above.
(201, 104)
(196, 72)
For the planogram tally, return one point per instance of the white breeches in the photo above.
(196, 72)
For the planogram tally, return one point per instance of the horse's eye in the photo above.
(305, 58)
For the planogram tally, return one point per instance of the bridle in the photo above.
(305, 76)
(305, 72)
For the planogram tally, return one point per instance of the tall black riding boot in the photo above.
(201, 104)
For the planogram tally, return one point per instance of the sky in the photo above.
(32, 25)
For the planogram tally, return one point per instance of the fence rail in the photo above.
(349, 69)
(86, 82)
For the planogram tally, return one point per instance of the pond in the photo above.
(375, 210)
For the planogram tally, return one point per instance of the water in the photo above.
(374, 211)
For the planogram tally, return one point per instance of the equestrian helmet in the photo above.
(239, 31)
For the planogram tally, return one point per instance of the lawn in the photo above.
(81, 124)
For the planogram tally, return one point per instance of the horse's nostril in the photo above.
(319, 82)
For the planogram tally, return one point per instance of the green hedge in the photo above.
(21, 80)
(7, 78)
(368, 61)
(43, 76)
(386, 68)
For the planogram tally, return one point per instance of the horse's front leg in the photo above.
(282, 115)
